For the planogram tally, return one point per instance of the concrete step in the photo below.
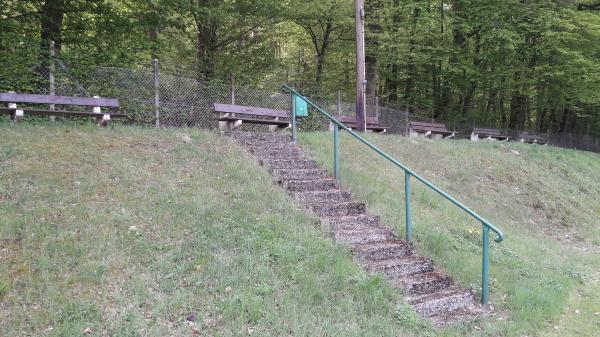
(288, 163)
(280, 154)
(300, 174)
(338, 208)
(311, 185)
(424, 283)
(398, 267)
(442, 302)
(383, 250)
(459, 316)
(311, 197)
(362, 236)
(259, 136)
(266, 145)
(351, 222)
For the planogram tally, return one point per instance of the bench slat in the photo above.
(431, 129)
(61, 112)
(427, 125)
(248, 110)
(254, 121)
(352, 119)
(60, 100)
(487, 132)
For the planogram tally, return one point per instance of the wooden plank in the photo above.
(249, 110)
(423, 124)
(487, 132)
(352, 119)
(254, 121)
(61, 112)
(60, 100)
(430, 129)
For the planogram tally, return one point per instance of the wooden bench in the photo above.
(372, 123)
(433, 130)
(228, 119)
(96, 103)
(526, 137)
(481, 133)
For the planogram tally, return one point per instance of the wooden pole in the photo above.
(232, 89)
(51, 79)
(156, 92)
(361, 81)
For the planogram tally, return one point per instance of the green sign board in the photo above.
(301, 106)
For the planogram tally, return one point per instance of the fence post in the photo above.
(377, 108)
(51, 79)
(156, 76)
(232, 89)
(338, 103)
(406, 122)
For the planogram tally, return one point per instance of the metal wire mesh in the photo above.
(183, 101)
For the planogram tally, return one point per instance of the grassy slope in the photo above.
(212, 239)
(545, 275)
(128, 232)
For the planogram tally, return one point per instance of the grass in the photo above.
(136, 232)
(142, 232)
(546, 199)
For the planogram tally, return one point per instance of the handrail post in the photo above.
(336, 151)
(407, 203)
(294, 128)
(485, 270)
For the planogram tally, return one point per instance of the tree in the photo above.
(326, 22)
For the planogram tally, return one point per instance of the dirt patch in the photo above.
(8, 252)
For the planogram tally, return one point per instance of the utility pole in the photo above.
(361, 83)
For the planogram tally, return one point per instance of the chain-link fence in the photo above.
(152, 97)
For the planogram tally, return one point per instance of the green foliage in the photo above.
(511, 64)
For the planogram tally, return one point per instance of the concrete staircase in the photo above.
(432, 294)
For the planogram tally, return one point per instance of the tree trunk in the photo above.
(410, 80)
(372, 41)
(206, 30)
(322, 51)
(51, 18)
(518, 110)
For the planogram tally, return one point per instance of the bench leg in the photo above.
(278, 128)
(474, 137)
(103, 121)
(16, 116)
(228, 126)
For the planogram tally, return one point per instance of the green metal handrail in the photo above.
(408, 173)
